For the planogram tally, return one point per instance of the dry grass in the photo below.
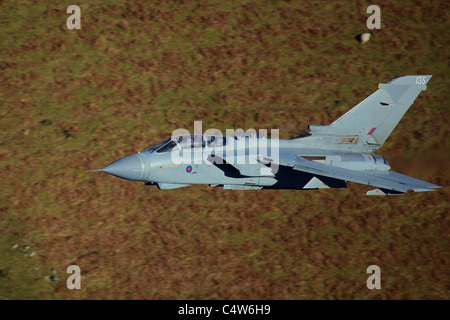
(78, 100)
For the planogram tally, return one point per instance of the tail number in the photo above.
(421, 80)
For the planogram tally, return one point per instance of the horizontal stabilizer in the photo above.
(388, 180)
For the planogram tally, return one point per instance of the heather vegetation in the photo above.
(75, 100)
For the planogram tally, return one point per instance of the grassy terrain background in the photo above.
(74, 100)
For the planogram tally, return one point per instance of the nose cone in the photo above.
(129, 167)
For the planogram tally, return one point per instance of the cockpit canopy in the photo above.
(189, 141)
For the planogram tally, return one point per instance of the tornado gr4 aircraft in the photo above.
(327, 157)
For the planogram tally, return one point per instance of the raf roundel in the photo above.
(188, 169)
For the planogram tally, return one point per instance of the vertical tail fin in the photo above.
(372, 120)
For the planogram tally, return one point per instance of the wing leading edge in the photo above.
(387, 180)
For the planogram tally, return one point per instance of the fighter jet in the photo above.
(328, 156)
